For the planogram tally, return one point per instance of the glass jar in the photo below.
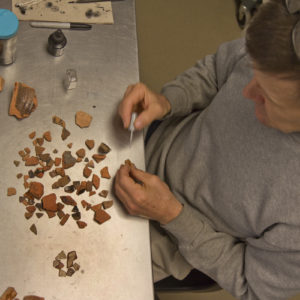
(9, 25)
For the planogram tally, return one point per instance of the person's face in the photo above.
(276, 100)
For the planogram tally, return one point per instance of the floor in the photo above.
(172, 35)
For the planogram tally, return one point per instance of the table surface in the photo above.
(114, 258)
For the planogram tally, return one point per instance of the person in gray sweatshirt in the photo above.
(222, 186)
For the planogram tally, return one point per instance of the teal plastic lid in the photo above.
(9, 24)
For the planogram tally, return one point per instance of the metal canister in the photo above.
(56, 43)
(9, 25)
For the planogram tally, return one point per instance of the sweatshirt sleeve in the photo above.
(265, 267)
(195, 88)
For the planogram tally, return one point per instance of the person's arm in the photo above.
(263, 267)
(150, 105)
(194, 89)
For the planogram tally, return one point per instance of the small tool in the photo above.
(131, 125)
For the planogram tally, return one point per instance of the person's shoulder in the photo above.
(234, 47)
(228, 56)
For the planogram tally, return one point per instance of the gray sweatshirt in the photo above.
(239, 181)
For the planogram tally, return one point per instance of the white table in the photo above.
(114, 257)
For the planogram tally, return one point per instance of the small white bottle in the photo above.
(70, 81)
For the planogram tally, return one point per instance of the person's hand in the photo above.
(145, 195)
(150, 106)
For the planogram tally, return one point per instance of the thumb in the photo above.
(145, 118)
(142, 120)
(139, 175)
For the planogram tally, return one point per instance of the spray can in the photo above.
(56, 43)
(9, 25)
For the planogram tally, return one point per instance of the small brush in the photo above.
(131, 125)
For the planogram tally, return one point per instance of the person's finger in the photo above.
(122, 176)
(146, 117)
(124, 112)
(126, 182)
(140, 176)
(122, 108)
(121, 183)
(128, 90)
(134, 96)
(121, 194)
(127, 194)
(126, 201)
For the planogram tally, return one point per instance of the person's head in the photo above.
(275, 87)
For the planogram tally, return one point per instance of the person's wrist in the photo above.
(166, 105)
(172, 214)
